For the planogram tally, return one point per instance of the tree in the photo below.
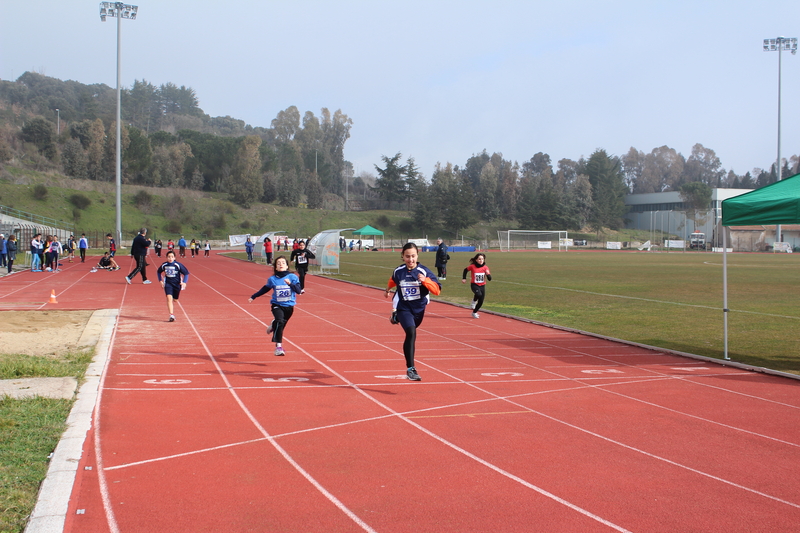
(458, 209)
(426, 210)
(288, 188)
(74, 159)
(696, 201)
(41, 133)
(663, 169)
(286, 124)
(314, 192)
(608, 191)
(391, 182)
(703, 166)
(95, 149)
(487, 204)
(246, 184)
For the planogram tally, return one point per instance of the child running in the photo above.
(286, 286)
(414, 283)
(300, 256)
(479, 275)
(172, 283)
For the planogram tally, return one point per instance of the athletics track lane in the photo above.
(516, 427)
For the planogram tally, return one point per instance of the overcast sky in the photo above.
(442, 80)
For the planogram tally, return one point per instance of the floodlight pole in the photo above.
(771, 45)
(120, 11)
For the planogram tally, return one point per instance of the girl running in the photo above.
(479, 275)
(414, 283)
(300, 256)
(285, 286)
(172, 283)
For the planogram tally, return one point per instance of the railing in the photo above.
(36, 219)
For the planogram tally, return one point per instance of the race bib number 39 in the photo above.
(410, 290)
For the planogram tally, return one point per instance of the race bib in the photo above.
(301, 259)
(479, 277)
(410, 290)
(283, 294)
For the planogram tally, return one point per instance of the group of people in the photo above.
(412, 281)
(8, 251)
(46, 251)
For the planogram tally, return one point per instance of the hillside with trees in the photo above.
(67, 127)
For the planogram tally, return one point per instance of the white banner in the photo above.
(237, 240)
(782, 247)
(613, 246)
(545, 245)
(565, 242)
(676, 244)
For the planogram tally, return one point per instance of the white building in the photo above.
(663, 214)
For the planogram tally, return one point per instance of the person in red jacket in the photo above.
(268, 250)
(479, 275)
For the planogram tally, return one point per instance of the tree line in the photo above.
(168, 141)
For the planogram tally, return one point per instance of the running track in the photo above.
(515, 426)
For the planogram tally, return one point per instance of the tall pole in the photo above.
(119, 128)
(120, 11)
(780, 44)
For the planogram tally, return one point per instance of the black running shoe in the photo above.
(412, 374)
(393, 318)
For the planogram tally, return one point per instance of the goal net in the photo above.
(517, 239)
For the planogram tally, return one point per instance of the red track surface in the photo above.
(515, 427)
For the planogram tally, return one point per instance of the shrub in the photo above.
(245, 224)
(382, 220)
(40, 192)
(406, 225)
(172, 226)
(142, 199)
(80, 201)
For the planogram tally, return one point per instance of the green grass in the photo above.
(29, 432)
(669, 300)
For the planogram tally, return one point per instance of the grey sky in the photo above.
(442, 80)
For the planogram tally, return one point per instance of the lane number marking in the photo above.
(167, 381)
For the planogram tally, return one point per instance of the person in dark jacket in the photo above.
(441, 260)
(139, 252)
(300, 256)
(11, 251)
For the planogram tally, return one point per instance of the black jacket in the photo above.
(140, 245)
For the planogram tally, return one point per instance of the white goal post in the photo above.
(518, 239)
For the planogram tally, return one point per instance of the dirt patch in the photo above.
(41, 332)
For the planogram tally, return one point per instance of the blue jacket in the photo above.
(283, 294)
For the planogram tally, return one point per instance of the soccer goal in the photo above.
(517, 239)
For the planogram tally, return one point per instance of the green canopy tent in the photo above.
(369, 231)
(778, 203)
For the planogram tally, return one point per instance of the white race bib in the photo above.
(410, 290)
(301, 259)
(283, 294)
(479, 277)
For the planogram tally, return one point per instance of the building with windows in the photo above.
(664, 215)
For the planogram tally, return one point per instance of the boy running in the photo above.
(172, 283)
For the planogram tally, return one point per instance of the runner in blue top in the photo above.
(172, 283)
(285, 286)
(414, 283)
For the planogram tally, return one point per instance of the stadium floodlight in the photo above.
(119, 11)
(771, 45)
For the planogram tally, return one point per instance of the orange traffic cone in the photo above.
(53, 297)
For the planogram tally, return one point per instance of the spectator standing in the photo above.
(83, 245)
(11, 251)
(442, 257)
(112, 245)
(192, 248)
(3, 250)
(207, 250)
(69, 249)
(248, 247)
(182, 246)
(36, 253)
(170, 245)
(139, 252)
(268, 250)
(157, 247)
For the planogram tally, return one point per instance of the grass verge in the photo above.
(29, 432)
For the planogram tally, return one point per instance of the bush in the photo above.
(40, 192)
(172, 226)
(245, 224)
(142, 199)
(80, 201)
(406, 225)
(382, 220)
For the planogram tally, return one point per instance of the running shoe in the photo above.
(128, 280)
(146, 282)
(475, 315)
(473, 304)
(393, 318)
(279, 351)
(172, 318)
(442, 279)
(412, 374)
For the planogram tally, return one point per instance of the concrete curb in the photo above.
(50, 512)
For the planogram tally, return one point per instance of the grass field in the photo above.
(669, 300)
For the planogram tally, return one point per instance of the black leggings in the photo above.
(480, 293)
(409, 345)
(282, 315)
(301, 273)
